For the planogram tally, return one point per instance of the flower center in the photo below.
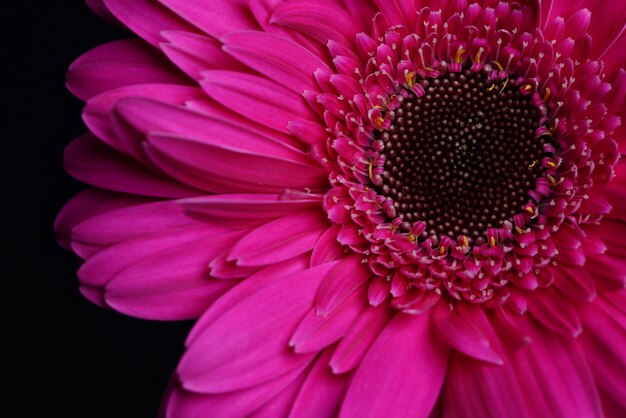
(463, 156)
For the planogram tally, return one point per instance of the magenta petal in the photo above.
(147, 18)
(97, 113)
(255, 172)
(220, 360)
(195, 54)
(117, 64)
(218, 19)
(261, 206)
(98, 7)
(316, 332)
(555, 378)
(322, 391)
(184, 404)
(281, 404)
(399, 376)
(87, 204)
(555, 312)
(277, 58)
(340, 282)
(89, 160)
(280, 240)
(273, 105)
(245, 290)
(603, 345)
(327, 248)
(323, 20)
(461, 331)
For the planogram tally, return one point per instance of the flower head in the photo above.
(403, 208)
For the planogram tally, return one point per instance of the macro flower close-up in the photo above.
(398, 208)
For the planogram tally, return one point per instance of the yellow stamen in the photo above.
(442, 250)
(498, 65)
(459, 52)
(410, 79)
(412, 238)
(528, 87)
(464, 241)
(506, 81)
(546, 95)
(519, 230)
(492, 241)
(530, 210)
(491, 87)
(533, 164)
(551, 164)
(370, 169)
(552, 179)
(378, 122)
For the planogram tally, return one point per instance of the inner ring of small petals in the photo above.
(462, 157)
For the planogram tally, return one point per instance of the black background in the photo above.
(67, 357)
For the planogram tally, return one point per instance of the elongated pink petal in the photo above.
(340, 282)
(89, 203)
(130, 222)
(89, 160)
(327, 248)
(462, 332)
(97, 113)
(222, 17)
(322, 391)
(322, 20)
(185, 404)
(117, 64)
(238, 206)
(273, 105)
(602, 344)
(555, 312)
(280, 240)
(102, 267)
(399, 376)
(243, 291)
(147, 18)
(279, 59)
(195, 54)
(98, 7)
(263, 173)
(281, 404)
(220, 360)
(316, 332)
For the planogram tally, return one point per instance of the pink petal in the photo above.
(102, 267)
(603, 346)
(555, 378)
(279, 59)
(555, 312)
(184, 404)
(222, 17)
(195, 54)
(316, 332)
(281, 404)
(460, 329)
(273, 105)
(360, 337)
(172, 284)
(97, 113)
(89, 160)
(399, 376)
(327, 248)
(340, 282)
(98, 7)
(131, 222)
(148, 116)
(237, 206)
(245, 290)
(87, 204)
(243, 172)
(322, 391)
(147, 18)
(322, 20)
(220, 360)
(575, 283)
(280, 240)
(117, 64)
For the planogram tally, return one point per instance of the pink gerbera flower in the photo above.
(402, 208)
